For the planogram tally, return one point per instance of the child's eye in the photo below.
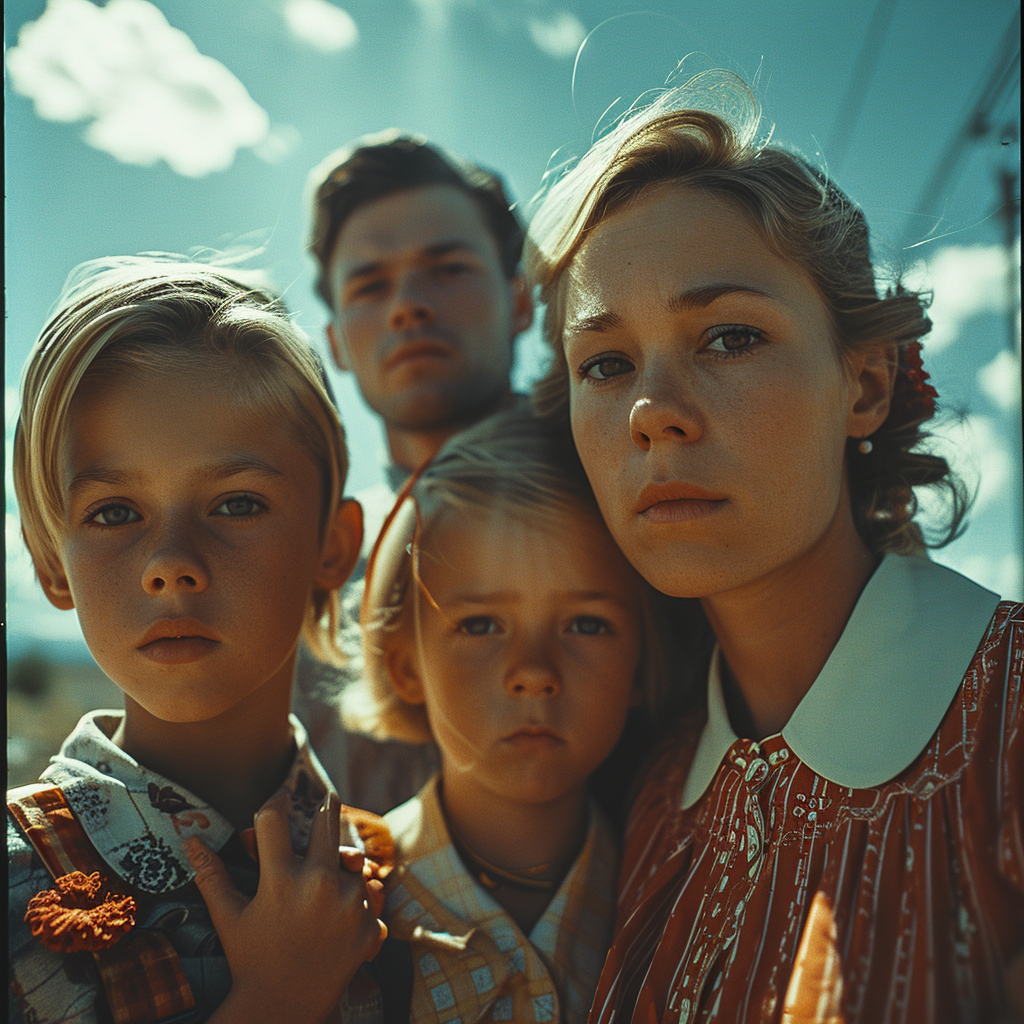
(733, 339)
(240, 505)
(114, 515)
(604, 368)
(589, 625)
(478, 625)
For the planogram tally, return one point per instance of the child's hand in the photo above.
(295, 946)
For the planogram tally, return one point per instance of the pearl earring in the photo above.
(865, 447)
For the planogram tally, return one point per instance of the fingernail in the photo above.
(326, 803)
(195, 850)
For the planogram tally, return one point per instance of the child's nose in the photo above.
(175, 567)
(532, 679)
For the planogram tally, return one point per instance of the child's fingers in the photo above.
(273, 838)
(325, 835)
(352, 860)
(223, 900)
(375, 898)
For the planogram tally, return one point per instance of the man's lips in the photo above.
(419, 348)
(177, 641)
(677, 502)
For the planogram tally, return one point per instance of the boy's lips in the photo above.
(177, 641)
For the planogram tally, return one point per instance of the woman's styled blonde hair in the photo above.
(514, 464)
(703, 135)
(129, 315)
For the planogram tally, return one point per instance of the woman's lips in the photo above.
(678, 503)
(178, 650)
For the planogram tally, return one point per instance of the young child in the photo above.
(179, 469)
(500, 619)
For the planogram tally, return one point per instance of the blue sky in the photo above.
(136, 126)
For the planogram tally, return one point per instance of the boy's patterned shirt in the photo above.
(471, 961)
(137, 821)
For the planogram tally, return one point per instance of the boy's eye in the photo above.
(733, 339)
(604, 368)
(589, 625)
(114, 515)
(240, 505)
(478, 625)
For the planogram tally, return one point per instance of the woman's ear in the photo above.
(403, 671)
(872, 376)
(55, 584)
(343, 540)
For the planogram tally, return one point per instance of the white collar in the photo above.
(886, 685)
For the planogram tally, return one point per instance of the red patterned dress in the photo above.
(865, 865)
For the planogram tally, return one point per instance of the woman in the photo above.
(836, 833)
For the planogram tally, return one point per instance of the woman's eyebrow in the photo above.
(694, 298)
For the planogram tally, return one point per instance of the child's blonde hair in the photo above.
(134, 314)
(512, 463)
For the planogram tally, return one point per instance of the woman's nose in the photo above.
(663, 414)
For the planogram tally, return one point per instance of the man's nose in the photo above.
(411, 305)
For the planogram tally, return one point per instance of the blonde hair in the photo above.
(704, 135)
(513, 463)
(128, 315)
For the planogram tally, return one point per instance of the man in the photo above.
(418, 262)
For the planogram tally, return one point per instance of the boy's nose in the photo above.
(174, 568)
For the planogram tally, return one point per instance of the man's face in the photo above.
(424, 313)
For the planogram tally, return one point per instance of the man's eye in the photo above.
(455, 267)
(589, 625)
(368, 288)
(478, 625)
(733, 339)
(604, 368)
(114, 515)
(241, 505)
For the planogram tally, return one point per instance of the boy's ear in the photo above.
(343, 540)
(400, 665)
(337, 347)
(55, 583)
(873, 374)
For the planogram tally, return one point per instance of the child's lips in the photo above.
(177, 641)
(534, 736)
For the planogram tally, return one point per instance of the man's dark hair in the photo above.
(380, 165)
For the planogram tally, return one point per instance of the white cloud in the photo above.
(966, 280)
(979, 453)
(559, 35)
(321, 25)
(278, 143)
(1000, 380)
(145, 89)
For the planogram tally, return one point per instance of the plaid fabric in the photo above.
(472, 962)
(142, 975)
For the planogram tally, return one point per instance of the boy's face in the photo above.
(192, 541)
(527, 664)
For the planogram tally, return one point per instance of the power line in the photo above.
(975, 126)
(857, 90)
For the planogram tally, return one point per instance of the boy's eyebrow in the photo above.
(695, 298)
(222, 470)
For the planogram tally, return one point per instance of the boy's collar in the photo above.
(138, 820)
(886, 685)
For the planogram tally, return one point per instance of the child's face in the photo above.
(192, 541)
(527, 669)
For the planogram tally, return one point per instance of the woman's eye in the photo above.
(589, 625)
(733, 339)
(114, 515)
(478, 625)
(604, 368)
(239, 506)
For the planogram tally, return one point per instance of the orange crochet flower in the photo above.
(79, 914)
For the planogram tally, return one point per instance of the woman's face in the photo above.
(708, 402)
